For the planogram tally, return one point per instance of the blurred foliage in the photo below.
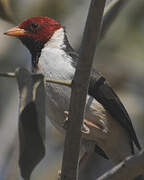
(13, 11)
(6, 10)
(135, 16)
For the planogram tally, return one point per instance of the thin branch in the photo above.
(8, 74)
(13, 75)
(63, 83)
(79, 91)
(110, 13)
(128, 169)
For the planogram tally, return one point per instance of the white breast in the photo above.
(55, 64)
(54, 61)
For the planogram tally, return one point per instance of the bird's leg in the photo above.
(83, 160)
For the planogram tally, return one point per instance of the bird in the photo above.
(107, 128)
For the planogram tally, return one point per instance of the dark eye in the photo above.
(34, 26)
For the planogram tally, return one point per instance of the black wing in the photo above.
(104, 94)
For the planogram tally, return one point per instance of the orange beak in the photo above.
(16, 32)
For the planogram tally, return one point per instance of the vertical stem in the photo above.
(79, 91)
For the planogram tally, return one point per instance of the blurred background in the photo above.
(120, 58)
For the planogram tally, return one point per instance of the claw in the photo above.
(59, 174)
(85, 129)
(66, 122)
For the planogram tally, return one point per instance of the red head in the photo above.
(35, 32)
(40, 28)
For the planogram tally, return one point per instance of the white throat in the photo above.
(54, 62)
(57, 40)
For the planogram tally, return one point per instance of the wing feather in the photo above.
(104, 94)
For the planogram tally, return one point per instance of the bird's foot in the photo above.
(66, 122)
(59, 174)
(85, 129)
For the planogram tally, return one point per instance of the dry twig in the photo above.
(128, 169)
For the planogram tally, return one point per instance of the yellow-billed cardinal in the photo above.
(107, 126)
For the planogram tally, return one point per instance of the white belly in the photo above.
(56, 65)
(57, 101)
